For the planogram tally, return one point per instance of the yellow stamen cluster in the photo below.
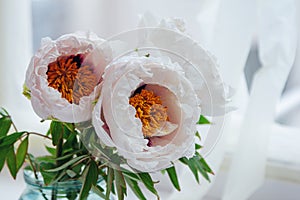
(150, 111)
(71, 79)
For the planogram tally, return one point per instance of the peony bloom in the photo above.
(64, 76)
(148, 109)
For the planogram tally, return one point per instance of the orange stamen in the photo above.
(71, 79)
(150, 111)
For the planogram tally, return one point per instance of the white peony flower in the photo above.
(148, 110)
(64, 76)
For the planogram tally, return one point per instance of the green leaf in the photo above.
(109, 182)
(120, 184)
(71, 141)
(5, 124)
(69, 126)
(173, 177)
(3, 112)
(199, 168)
(135, 188)
(205, 166)
(71, 173)
(203, 120)
(98, 190)
(148, 182)
(51, 150)
(193, 168)
(71, 195)
(47, 176)
(71, 154)
(198, 135)
(90, 178)
(67, 164)
(58, 176)
(11, 162)
(198, 146)
(10, 139)
(56, 131)
(21, 153)
(47, 159)
(3, 153)
(132, 176)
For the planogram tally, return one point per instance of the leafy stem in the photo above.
(39, 134)
(32, 166)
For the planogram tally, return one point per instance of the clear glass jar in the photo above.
(68, 190)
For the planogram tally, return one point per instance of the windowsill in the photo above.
(283, 156)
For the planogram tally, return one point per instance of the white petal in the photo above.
(120, 81)
(46, 101)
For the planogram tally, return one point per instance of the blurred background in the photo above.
(255, 43)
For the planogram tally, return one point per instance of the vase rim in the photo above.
(30, 180)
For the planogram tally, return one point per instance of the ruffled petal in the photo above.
(47, 101)
(121, 79)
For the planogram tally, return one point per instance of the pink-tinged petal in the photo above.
(47, 100)
(121, 79)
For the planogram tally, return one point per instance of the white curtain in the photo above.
(15, 53)
(277, 39)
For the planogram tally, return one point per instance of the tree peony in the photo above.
(148, 110)
(64, 76)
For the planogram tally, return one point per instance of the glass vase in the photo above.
(68, 190)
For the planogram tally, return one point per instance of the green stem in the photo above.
(39, 134)
(59, 151)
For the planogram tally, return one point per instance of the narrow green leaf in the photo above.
(184, 160)
(11, 162)
(120, 184)
(192, 167)
(119, 177)
(135, 188)
(51, 150)
(3, 112)
(56, 177)
(56, 131)
(203, 120)
(71, 195)
(90, 179)
(205, 166)
(71, 154)
(98, 190)
(173, 177)
(71, 141)
(71, 173)
(21, 153)
(109, 182)
(5, 124)
(10, 139)
(198, 146)
(198, 135)
(199, 168)
(3, 153)
(48, 177)
(148, 182)
(132, 176)
(67, 164)
(47, 159)
(69, 126)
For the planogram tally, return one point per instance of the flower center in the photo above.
(150, 111)
(71, 79)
